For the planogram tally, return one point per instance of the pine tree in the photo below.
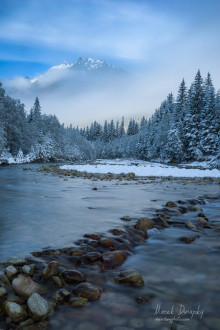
(196, 102)
(209, 131)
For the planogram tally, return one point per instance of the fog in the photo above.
(79, 98)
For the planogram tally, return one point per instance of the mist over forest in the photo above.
(183, 128)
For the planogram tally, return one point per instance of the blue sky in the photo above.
(159, 41)
(135, 35)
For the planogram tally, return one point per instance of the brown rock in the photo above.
(202, 221)
(117, 232)
(24, 286)
(36, 254)
(188, 240)
(93, 243)
(130, 277)
(202, 215)
(73, 276)
(87, 290)
(92, 236)
(163, 216)
(137, 235)
(171, 204)
(92, 257)
(52, 269)
(75, 252)
(144, 223)
(114, 259)
(62, 295)
(106, 242)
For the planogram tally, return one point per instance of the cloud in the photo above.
(126, 30)
(82, 97)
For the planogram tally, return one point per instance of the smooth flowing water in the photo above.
(38, 210)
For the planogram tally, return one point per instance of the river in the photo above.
(39, 210)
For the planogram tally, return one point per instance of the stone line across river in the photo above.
(31, 289)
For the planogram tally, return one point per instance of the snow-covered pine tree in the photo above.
(195, 105)
(209, 131)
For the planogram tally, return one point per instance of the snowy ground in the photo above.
(141, 168)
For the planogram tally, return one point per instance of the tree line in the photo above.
(184, 128)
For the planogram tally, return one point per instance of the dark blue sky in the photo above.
(135, 35)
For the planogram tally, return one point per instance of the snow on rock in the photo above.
(141, 168)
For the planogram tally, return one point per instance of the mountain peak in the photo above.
(86, 64)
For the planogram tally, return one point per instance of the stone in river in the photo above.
(87, 290)
(92, 236)
(142, 299)
(3, 292)
(188, 240)
(52, 269)
(130, 277)
(202, 221)
(106, 242)
(171, 204)
(14, 311)
(10, 271)
(24, 286)
(62, 295)
(190, 225)
(59, 282)
(77, 301)
(73, 276)
(113, 259)
(92, 257)
(144, 223)
(29, 269)
(126, 218)
(14, 261)
(38, 306)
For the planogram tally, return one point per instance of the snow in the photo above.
(142, 168)
(64, 65)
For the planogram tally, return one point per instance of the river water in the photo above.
(40, 210)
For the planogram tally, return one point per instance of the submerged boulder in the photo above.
(130, 277)
(87, 290)
(144, 223)
(73, 276)
(171, 204)
(51, 269)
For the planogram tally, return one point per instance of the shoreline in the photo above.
(94, 256)
(56, 170)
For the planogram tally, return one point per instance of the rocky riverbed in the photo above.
(157, 271)
(69, 281)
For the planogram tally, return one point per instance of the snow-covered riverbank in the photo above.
(142, 168)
